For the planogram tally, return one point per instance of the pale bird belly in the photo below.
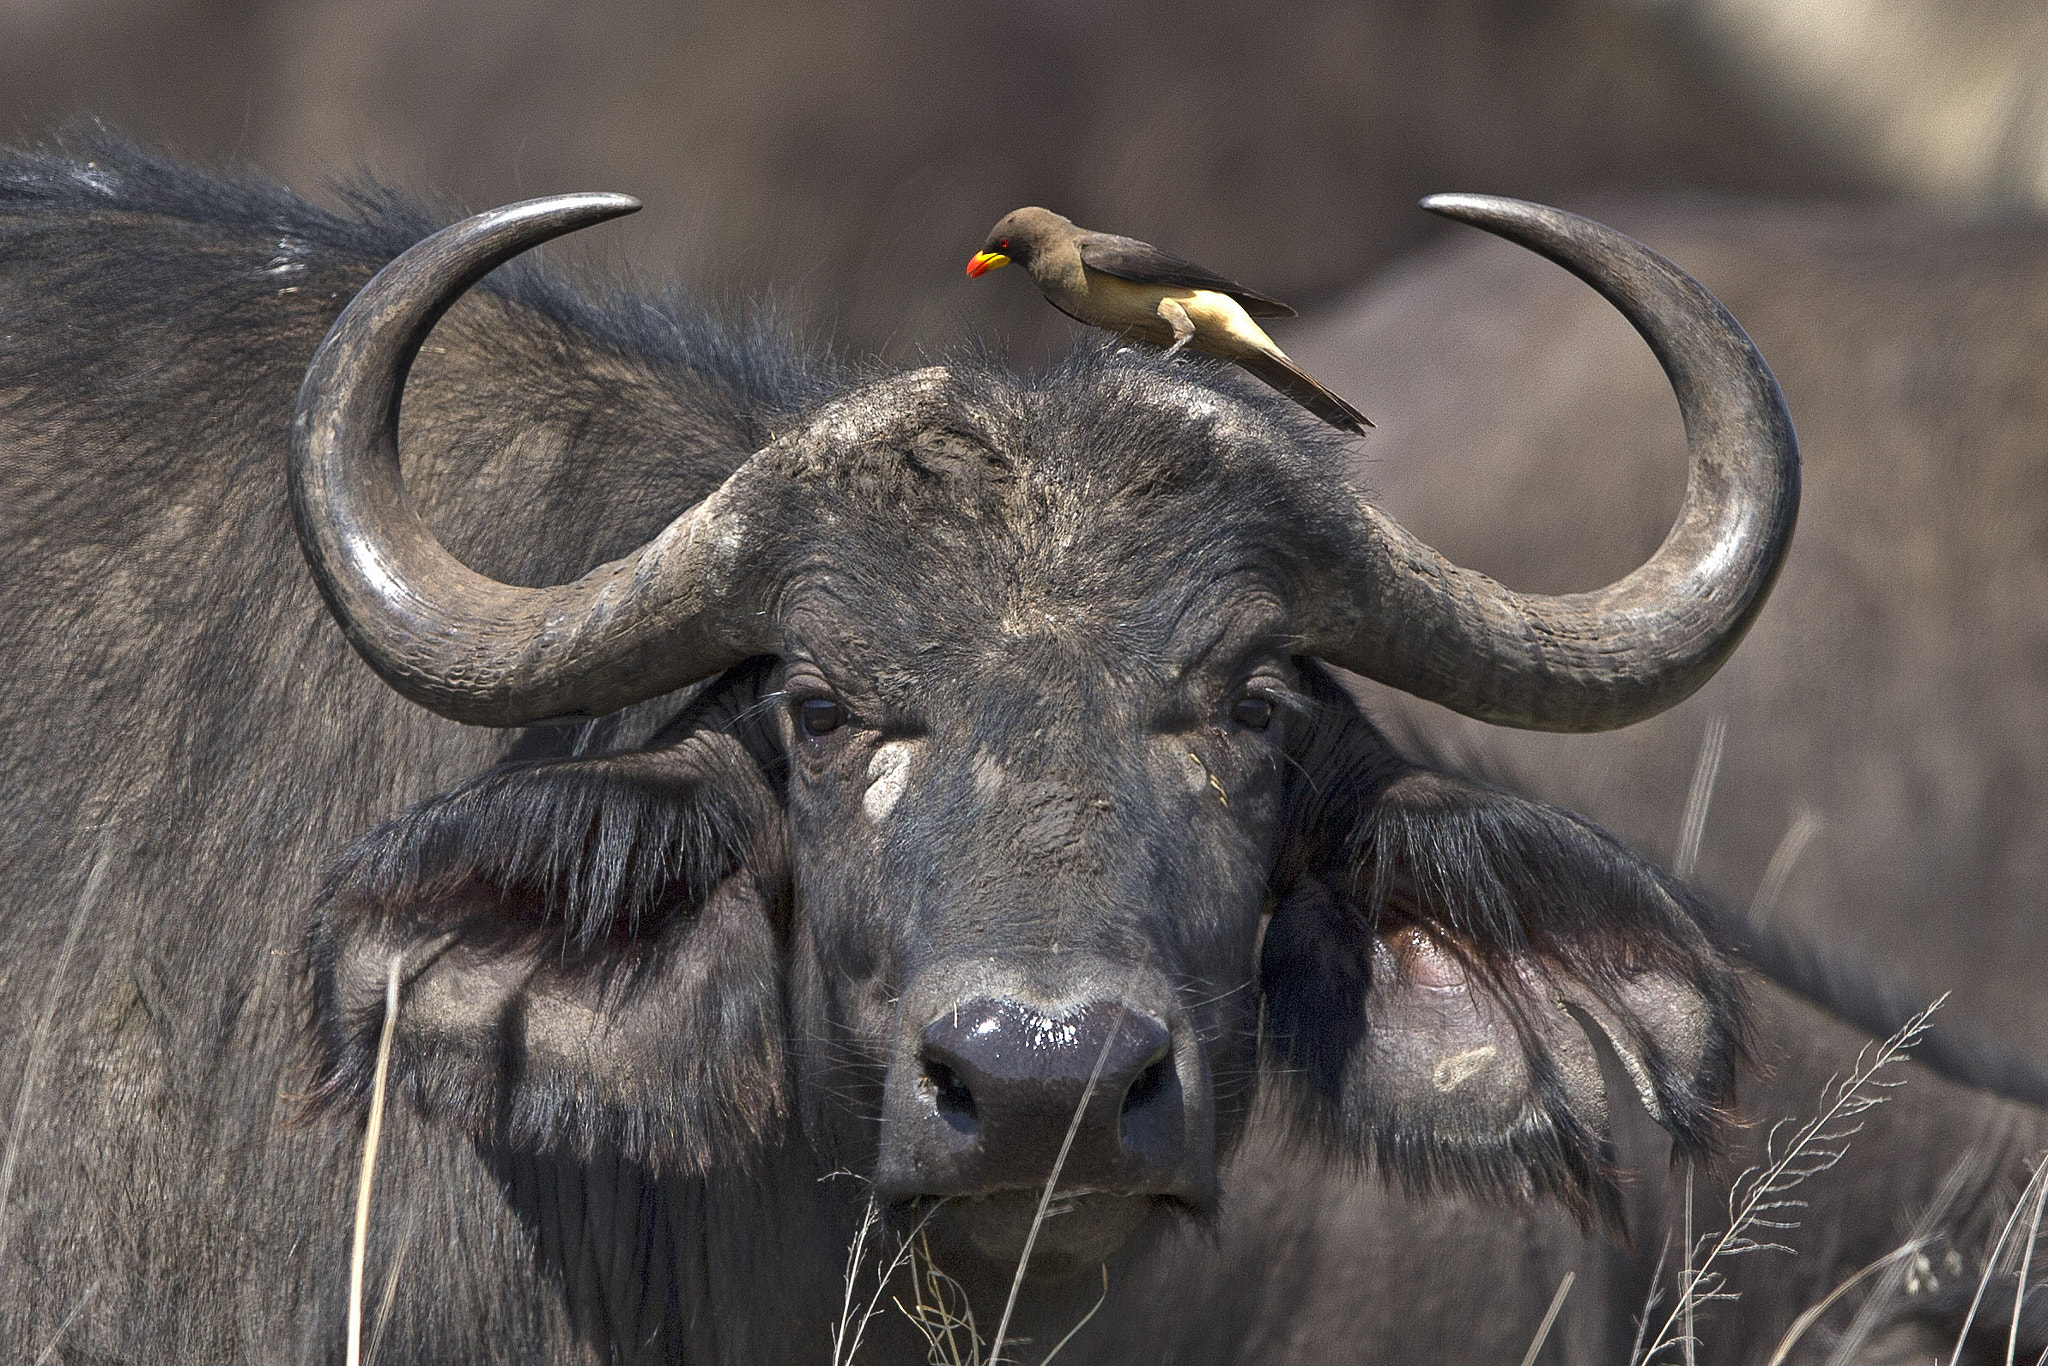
(1222, 327)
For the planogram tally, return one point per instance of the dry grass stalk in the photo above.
(842, 1350)
(1651, 1301)
(940, 1309)
(371, 1135)
(951, 1332)
(1904, 1252)
(1926, 1232)
(2019, 1292)
(853, 1326)
(1760, 1204)
(2037, 1189)
(1693, 824)
(1778, 872)
(1690, 1339)
(389, 1299)
(1061, 1345)
(1564, 1288)
(995, 1352)
(49, 1353)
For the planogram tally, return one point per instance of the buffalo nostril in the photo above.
(1004, 1086)
(950, 1094)
(1149, 1084)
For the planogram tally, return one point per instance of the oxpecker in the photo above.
(1137, 291)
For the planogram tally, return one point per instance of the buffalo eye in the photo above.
(820, 715)
(1253, 713)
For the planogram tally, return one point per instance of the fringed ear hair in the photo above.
(1432, 976)
(592, 952)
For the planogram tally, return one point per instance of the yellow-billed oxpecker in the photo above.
(1137, 291)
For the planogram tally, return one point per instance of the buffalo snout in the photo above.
(997, 1084)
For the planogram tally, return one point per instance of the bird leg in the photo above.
(1176, 317)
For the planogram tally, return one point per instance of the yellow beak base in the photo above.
(985, 261)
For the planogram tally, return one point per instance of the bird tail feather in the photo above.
(1290, 379)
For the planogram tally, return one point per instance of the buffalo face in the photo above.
(1033, 795)
(1022, 826)
(1008, 862)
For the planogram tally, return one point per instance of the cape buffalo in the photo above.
(939, 778)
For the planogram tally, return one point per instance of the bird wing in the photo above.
(1142, 263)
(1305, 389)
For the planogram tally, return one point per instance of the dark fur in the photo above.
(590, 882)
(1507, 885)
(630, 1051)
(164, 634)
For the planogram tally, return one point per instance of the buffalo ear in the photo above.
(1431, 990)
(590, 956)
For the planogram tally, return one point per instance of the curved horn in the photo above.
(458, 643)
(1403, 614)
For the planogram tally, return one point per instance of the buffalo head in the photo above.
(1023, 822)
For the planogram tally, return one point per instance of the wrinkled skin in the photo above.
(1054, 806)
(1034, 820)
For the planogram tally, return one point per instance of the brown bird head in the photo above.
(1015, 237)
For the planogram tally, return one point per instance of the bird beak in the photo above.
(986, 261)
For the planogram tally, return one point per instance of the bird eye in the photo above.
(820, 715)
(1253, 713)
(1003, 245)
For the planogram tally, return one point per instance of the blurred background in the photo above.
(849, 156)
(1862, 180)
